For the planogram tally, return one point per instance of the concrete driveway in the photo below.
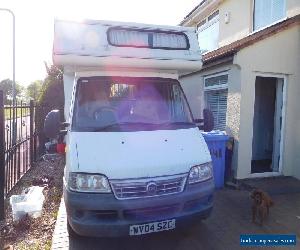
(230, 218)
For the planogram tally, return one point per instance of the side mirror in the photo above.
(207, 123)
(52, 124)
(208, 118)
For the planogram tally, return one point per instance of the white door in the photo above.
(277, 125)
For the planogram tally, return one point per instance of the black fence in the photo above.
(18, 145)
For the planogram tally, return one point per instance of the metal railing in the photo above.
(18, 145)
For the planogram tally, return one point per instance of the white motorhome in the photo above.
(136, 161)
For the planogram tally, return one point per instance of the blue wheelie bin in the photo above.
(216, 142)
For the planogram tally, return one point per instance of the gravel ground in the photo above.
(36, 233)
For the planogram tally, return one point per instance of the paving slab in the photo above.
(60, 239)
(230, 218)
(273, 185)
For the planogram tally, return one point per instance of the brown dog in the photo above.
(261, 205)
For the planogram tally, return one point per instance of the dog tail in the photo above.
(271, 203)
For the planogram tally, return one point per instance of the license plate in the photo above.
(152, 227)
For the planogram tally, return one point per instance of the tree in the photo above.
(51, 97)
(33, 90)
(52, 92)
(6, 87)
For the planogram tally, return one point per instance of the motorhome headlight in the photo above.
(94, 183)
(200, 173)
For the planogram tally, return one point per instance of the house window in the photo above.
(208, 32)
(215, 93)
(267, 12)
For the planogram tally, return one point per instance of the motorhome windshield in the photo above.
(130, 104)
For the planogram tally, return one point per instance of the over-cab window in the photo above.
(154, 39)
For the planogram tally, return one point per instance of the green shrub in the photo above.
(52, 97)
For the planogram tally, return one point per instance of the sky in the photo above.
(35, 23)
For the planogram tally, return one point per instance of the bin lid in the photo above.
(215, 135)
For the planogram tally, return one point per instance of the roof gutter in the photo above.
(204, 8)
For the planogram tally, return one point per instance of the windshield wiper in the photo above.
(118, 124)
(178, 123)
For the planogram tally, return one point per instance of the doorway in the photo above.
(267, 124)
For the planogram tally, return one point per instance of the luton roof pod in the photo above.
(108, 44)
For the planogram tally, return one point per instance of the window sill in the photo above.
(268, 26)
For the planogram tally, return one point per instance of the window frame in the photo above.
(221, 87)
(150, 46)
(268, 25)
(217, 87)
(208, 23)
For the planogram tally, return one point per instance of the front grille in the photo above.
(148, 187)
(151, 212)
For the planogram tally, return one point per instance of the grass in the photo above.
(8, 113)
(34, 246)
(55, 214)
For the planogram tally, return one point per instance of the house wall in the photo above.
(233, 112)
(240, 20)
(276, 56)
(292, 7)
(193, 86)
(241, 17)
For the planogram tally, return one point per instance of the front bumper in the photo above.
(102, 215)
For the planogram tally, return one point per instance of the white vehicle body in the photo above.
(142, 155)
